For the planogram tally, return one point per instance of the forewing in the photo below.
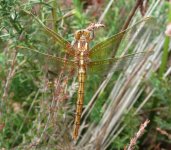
(64, 44)
(109, 46)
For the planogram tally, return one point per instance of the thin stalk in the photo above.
(165, 49)
(54, 15)
(164, 56)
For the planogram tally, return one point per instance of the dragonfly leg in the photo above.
(92, 35)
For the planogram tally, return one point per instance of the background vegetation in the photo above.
(37, 114)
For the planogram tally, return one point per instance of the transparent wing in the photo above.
(105, 48)
(61, 41)
(54, 64)
(50, 57)
(120, 62)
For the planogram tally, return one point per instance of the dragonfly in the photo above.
(83, 56)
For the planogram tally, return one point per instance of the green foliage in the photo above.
(97, 110)
(159, 107)
(162, 89)
(79, 15)
(162, 95)
(132, 126)
(22, 86)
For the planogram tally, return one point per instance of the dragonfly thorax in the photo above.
(82, 40)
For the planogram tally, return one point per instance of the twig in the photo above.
(125, 26)
(137, 135)
(11, 72)
(9, 77)
(163, 132)
(94, 26)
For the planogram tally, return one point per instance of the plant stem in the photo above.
(165, 49)
(54, 15)
(125, 26)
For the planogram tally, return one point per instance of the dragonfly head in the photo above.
(83, 35)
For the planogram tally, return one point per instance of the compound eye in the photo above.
(87, 34)
(78, 34)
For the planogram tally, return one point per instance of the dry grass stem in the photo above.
(10, 76)
(163, 132)
(137, 135)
